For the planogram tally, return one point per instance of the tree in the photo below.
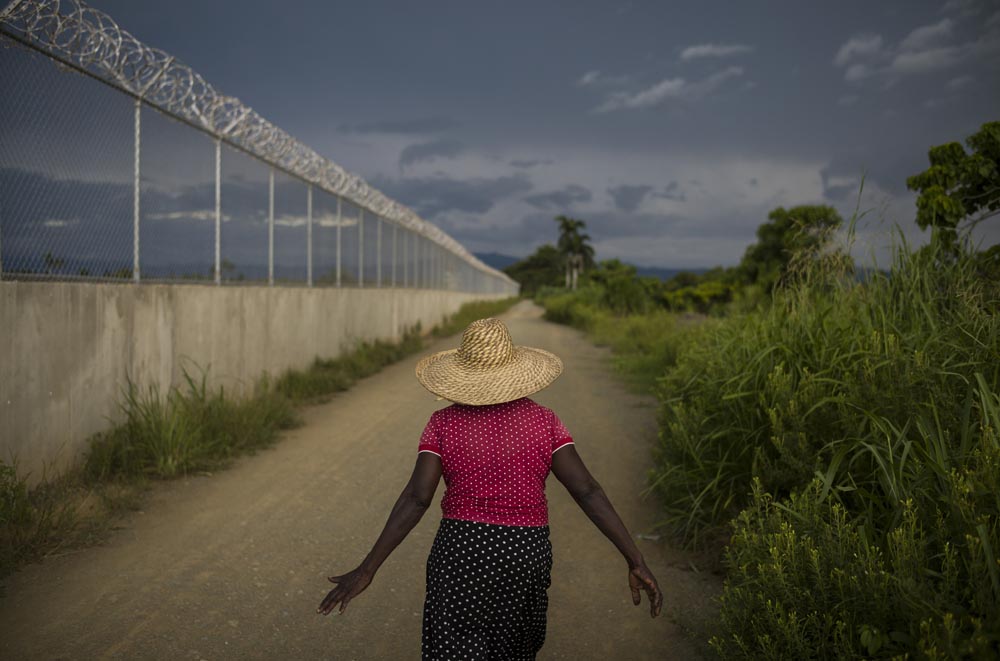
(623, 291)
(575, 248)
(543, 268)
(959, 186)
(791, 231)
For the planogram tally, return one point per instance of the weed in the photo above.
(189, 428)
(842, 438)
(471, 312)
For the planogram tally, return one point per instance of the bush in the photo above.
(190, 429)
(821, 381)
(852, 430)
(807, 579)
(470, 312)
(330, 375)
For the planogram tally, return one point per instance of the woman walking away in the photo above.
(488, 569)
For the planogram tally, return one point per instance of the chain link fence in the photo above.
(118, 163)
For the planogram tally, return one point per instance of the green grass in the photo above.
(190, 429)
(842, 441)
(839, 446)
(470, 312)
(644, 345)
(330, 375)
(58, 515)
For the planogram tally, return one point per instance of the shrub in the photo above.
(470, 312)
(821, 380)
(807, 579)
(192, 428)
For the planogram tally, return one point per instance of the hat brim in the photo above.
(531, 370)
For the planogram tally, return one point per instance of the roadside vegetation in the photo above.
(191, 429)
(832, 434)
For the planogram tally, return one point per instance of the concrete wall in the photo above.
(66, 348)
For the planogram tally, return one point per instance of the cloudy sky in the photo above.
(671, 128)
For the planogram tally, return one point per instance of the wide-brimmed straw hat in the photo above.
(488, 368)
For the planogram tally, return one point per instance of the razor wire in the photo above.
(84, 39)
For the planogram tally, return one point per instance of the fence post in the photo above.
(270, 227)
(338, 240)
(135, 192)
(394, 226)
(361, 246)
(378, 251)
(309, 236)
(218, 211)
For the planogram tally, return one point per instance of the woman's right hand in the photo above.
(348, 587)
(640, 578)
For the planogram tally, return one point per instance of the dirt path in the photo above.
(232, 566)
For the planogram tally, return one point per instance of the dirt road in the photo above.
(232, 566)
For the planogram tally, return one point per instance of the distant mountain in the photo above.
(496, 260)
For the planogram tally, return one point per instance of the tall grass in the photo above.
(644, 346)
(188, 429)
(330, 375)
(841, 442)
(471, 312)
(851, 430)
(192, 428)
(836, 378)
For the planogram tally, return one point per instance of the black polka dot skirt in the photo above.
(486, 591)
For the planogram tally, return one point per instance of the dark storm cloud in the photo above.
(86, 227)
(889, 172)
(622, 224)
(417, 126)
(526, 164)
(560, 199)
(671, 191)
(434, 196)
(428, 151)
(417, 71)
(628, 198)
(521, 237)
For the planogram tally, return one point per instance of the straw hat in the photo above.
(488, 368)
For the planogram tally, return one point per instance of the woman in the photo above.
(488, 569)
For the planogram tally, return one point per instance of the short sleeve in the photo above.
(430, 440)
(560, 435)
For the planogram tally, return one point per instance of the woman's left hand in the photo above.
(640, 578)
(348, 587)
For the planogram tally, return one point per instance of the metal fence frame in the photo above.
(90, 42)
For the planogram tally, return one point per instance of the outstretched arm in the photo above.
(569, 469)
(406, 513)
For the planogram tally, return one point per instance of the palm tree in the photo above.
(575, 248)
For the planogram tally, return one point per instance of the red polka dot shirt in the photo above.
(495, 460)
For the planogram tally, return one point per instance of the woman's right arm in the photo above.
(570, 470)
(406, 513)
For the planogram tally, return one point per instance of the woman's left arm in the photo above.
(406, 513)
